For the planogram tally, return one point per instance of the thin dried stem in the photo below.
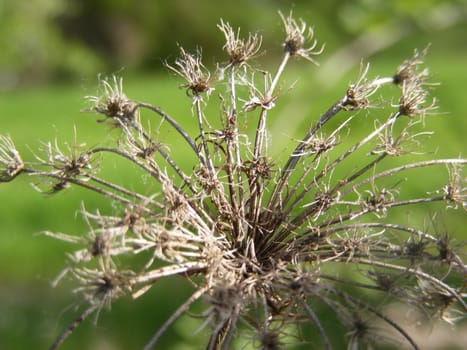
(179, 312)
(73, 325)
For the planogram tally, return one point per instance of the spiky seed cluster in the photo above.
(359, 93)
(413, 100)
(455, 191)
(412, 69)
(11, 164)
(113, 103)
(190, 67)
(297, 36)
(239, 50)
(261, 242)
(413, 81)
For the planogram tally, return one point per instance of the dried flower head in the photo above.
(75, 164)
(264, 239)
(113, 103)
(396, 143)
(239, 50)
(410, 70)
(413, 100)
(359, 93)
(455, 192)
(11, 164)
(297, 37)
(190, 68)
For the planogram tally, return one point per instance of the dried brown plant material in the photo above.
(267, 241)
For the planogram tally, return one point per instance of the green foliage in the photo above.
(363, 15)
(33, 46)
(44, 39)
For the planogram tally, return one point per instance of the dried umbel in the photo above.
(264, 241)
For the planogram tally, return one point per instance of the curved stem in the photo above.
(73, 325)
(314, 318)
(184, 307)
(80, 183)
(122, 190)
(164, 155)
(172, 122)
(418, 273)
(393, 171)
(298, 153)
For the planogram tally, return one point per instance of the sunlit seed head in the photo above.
(239, 50)
(297, 36)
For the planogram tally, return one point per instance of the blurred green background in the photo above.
(51, 52)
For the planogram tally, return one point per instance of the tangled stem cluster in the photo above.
(262, 243)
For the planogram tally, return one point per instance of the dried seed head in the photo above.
(101, 287)
(68, 164)
(297, 35)
(446, 248)
(113, 103)
(393, 145)
(408, 70)
(11, 163)
(377, 200)
(413, 100)
(415, 248)
(455, 192)
(412, 81)
(260, 169)
(358, 94)
(190, 68)
(239, 51)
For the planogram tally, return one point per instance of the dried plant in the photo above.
(265, 244)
